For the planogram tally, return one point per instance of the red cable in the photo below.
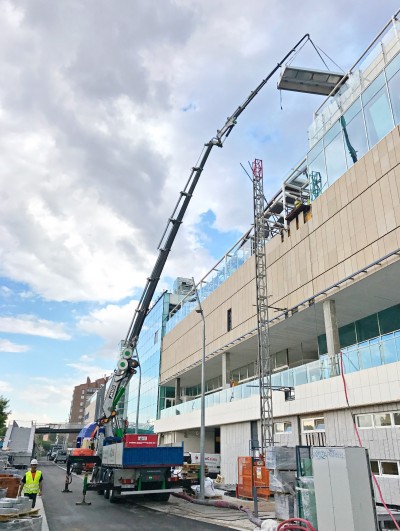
(294, 523)
(360, 443)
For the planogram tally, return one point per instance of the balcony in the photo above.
(372, 353)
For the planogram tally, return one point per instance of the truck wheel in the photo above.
(106, 478)
(113, 496)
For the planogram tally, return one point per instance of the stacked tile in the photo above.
(33, 523)
(281, 462)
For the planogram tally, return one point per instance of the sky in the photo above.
(104, 109)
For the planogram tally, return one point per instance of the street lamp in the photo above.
(202, 400)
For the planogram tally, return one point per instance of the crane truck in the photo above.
(119, 468)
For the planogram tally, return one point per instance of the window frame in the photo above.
(374, 426)
(389, 461)
(284, 424)
(313, 419)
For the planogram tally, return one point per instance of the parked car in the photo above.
(61, 456)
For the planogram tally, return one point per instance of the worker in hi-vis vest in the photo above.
(31, 483)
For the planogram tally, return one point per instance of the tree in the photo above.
(4, 402)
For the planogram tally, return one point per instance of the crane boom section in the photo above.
(123, 374)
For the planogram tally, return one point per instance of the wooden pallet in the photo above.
(15, 516)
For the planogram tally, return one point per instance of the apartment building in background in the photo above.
(333, 278)
(80, 396)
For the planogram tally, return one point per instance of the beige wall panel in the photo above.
(355, 222)
(394, 184)
(370, 168)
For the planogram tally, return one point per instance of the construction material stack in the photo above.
(16, 513)
(281, 462)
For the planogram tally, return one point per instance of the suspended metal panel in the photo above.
(311, 81)
(264, 354)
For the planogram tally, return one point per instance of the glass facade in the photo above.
(379, 351)
(371, 116)
(149, 351)
(365, 329)
(223, 270)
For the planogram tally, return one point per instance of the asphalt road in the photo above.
(64, 515)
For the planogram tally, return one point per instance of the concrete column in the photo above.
(178, 391)
(332, 333)
(226, 370)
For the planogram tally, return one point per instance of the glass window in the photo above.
(394, 92)
(300, 375)
(382, 420)
(393, 66)
(315, 151)
(332, 133)
(389, 350)
(279, 427)
(353, 110)
(364, 421)
(288, 427)
(374, 467)
(308, 424)
(229, 320)
(347, 335)
(322, 346)
(364, 355)
(396, 418)
(373, 88)
(389, 320)
(378, 117)
(355, 138)
(316, 424)
(318, 176)
(281, 359)
(335, 158)
(367, 328)
(375, 349)
(389, 468)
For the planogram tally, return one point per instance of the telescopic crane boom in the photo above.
(128, 362)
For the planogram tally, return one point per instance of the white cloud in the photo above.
(96, 148)
(8, 346)
(96, 152)
(5, 291)
(110, 323)
(34, 326)
(5, 387)
(89, 368)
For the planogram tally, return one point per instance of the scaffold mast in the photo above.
(264, 354)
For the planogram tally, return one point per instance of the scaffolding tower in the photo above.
(264, 353)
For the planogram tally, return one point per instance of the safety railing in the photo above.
(372, 353)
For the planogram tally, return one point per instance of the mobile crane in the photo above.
(118, 469)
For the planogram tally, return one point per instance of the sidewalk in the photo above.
(39, 505)
(229, 518)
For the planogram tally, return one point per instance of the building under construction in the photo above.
(332, 248)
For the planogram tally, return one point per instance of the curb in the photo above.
(40, 506)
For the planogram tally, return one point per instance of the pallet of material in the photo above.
(15, 516)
